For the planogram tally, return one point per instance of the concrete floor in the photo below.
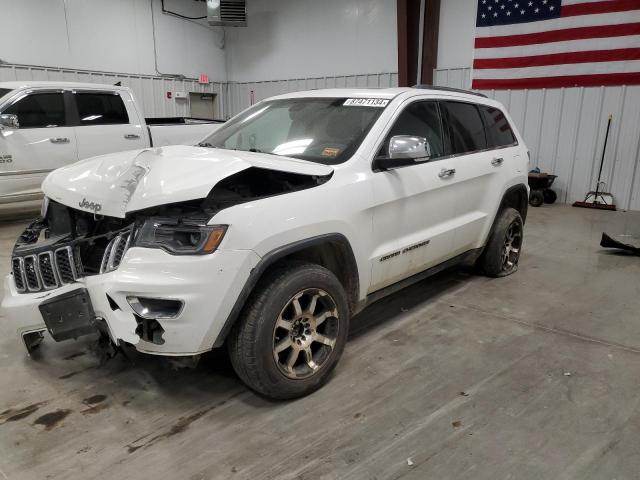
(531, 376)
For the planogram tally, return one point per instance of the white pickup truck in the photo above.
(47, 125)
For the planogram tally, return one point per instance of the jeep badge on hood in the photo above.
(95, 207)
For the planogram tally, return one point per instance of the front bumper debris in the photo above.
(208, 285)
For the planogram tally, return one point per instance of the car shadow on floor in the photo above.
(424, 291)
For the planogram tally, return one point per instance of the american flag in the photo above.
(556, 43)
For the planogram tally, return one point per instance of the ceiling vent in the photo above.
(227, 13)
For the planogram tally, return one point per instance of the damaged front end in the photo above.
(67, 246)
(74, 269)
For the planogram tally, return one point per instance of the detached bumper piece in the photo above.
(69, 315)
(629, 243)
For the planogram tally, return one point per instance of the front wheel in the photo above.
(292, 331)
(502, 252)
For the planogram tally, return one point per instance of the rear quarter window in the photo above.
(101, 108)
(499, 132)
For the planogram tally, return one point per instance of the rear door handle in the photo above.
(447, 172)
(132, 136)
(496, 162)
(59, 140)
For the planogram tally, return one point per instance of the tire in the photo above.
(502, 252)
(281, 318)
(536, 198)
(549, 196)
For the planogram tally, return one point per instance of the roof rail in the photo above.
(450, 89)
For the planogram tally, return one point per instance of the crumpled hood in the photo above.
(123, 182)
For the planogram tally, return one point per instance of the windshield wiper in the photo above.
(206, 144)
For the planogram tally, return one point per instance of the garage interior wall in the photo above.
(563, 127)
(284, 48)
(290, 45)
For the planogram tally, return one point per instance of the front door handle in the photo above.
(447, 172)
(132, 136)
(496, 162)
(59, 140)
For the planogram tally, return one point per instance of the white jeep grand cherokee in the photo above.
(273, 231)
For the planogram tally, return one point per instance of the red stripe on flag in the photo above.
(578, 33)
(608, 6)
(558, 82)
(615, 55)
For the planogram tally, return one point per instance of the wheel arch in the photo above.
(332, 251)
(516, 197)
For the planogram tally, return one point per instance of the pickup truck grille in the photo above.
(45, 270)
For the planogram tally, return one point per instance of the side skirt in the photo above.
(468, 256)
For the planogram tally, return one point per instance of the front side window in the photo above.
(499, 131)
(39, 110)
(322, 130)
(464, 126)
(419, 119)
(101, 109)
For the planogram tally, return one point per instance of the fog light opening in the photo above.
(152, 308)
(149, 330)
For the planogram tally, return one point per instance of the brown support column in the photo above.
(408, 15)
(430, 40)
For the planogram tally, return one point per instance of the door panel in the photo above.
(476, 178)
(412, 218)
(41, 144)
(486, 173)
(412, 222)
(104, 125)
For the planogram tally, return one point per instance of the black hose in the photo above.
(179, 15)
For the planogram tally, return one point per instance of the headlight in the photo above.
(180, 238)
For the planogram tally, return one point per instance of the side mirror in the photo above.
(404, 150)
(9, 121)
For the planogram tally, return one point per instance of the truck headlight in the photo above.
(180, 238)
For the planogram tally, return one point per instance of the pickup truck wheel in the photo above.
(292, 331)
(502, 252)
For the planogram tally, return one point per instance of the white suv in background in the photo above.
(275, 230)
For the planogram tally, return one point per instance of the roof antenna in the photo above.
(118, 84)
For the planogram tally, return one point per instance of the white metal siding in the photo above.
(564, 129)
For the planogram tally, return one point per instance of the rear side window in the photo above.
(499, 133)
(464, 126)
(4, 91)
(101, 109)
(420, 119)
(39, 110)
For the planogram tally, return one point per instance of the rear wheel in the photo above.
(292, 331)
(502, 252)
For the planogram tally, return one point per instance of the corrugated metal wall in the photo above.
(240, 93)
(564, 129)
(150, 91)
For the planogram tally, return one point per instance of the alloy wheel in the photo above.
(305, 333)
(512, 246)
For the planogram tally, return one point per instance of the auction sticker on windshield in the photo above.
(366, 102)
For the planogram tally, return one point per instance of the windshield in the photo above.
(323, 130)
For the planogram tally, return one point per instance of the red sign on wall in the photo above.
(204, 78)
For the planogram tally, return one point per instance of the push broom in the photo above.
(598, 198)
